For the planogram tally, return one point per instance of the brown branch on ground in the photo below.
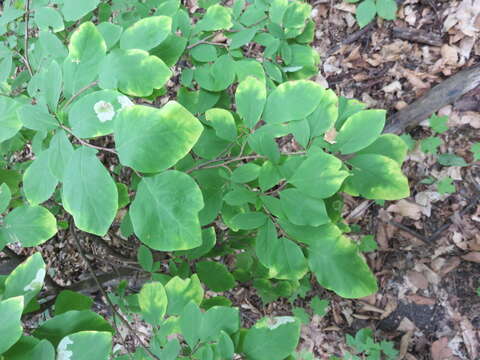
(418, 36)
(105, 295)
(445, 93)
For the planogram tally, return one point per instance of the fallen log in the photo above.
(445, 93)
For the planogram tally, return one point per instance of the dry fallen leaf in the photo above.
(440, 349)
(406, 208)
(473, 256)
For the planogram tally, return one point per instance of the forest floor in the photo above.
(428, 257)
(428, 260)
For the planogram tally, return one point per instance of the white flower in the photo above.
(124, 101)
(36, 283)
(104, 111)
(62, 352)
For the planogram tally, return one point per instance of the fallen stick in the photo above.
(445, 93)
(417, 36)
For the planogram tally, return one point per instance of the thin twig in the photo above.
(202, 41)
(409, 231)
(105, 295)
(83, 142)
(80, 92)
(25, 44)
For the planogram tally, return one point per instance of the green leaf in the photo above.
(38, 181)
(153, 302)
(5, 197)
(216, 77)
(475, 149)
(319, 306)
(325, 115)
(111, 33)
(89, 193)
(209, 239)
(282, 257)
(134, 72)
(204, 52)
(378, 177)
(245, 173)
(145, 258)
(360, 130)
(10, 124)
(250, 99)
(36, 117)
(301, 314)
(367, 244)
(388, 145)
(272, 339)
(181, 291)
(146, 33)
(47, 17)
(446, 186)
(365, 12)
(269, 176)
(212, 190)
(293, 100)
(242, 37)
(249, 220)
(319, 168)
(93, 114)
(249, 67)
(387, 9)
(225, 346)
(56, 328)
(190, 324)
(69, 300)
(438, 123)
(61, 151)
(78, 346)
(217, 319)
(451, 160)
(30, 225)
(302, 209)
(172, 132)
(73, 10)
(165, 212)
(430, 144)
(215, 275)
(11, 324)
(223, 123)
(240, 196)
(338, 266)
(26, 279)
(216, 18)
(86, 51)
(49, 84)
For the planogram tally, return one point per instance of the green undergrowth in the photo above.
(164, 121)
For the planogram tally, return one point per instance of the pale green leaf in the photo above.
(146, 33)
(153, 302)
(165, 212)
(293, 100)
(30, 225)
(11, 324)
(26, 279)
(302, 209)
(223, 123)
(73, 9)
(38, 181)
(360, 130)
(79, 346)
(61, 150)
(250, 99)
(10, 124)
(151, 140)
(377, 177)
(320, 175)
(36, 117)
(89, 193)
(365, 12)
(181, 291)
(134, 72)
(5, 197)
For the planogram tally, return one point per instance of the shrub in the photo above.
(185, 111)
